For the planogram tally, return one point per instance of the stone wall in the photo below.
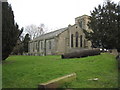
(50, 47)
(64, 40)
(62, 43)
(42, 47)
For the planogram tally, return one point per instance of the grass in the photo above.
(29, 71)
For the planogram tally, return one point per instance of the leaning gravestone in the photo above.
(56, 83)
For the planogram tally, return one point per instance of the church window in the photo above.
(33, 46)
(41, 45)
(49, 44)
(38, 45)
(76, 39)
(84, 43)
(71, 40)
(81, 41)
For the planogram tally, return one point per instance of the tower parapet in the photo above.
(82, 21)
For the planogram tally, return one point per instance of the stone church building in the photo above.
(62, 41)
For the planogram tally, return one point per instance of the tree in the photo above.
(118, 20)
(10, 31)
(18, 49)
(104, 22)
(26, 42)
(35, 31)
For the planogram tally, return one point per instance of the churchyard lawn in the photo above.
(29, 71)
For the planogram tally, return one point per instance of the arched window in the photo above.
(41, 45)
(38, 46)
(76, 39)
(71, 40)
(84, 43)
(33, 46)
(80, 40)
(49, 44)
(81, 24)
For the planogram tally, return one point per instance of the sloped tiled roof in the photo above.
(50, 34)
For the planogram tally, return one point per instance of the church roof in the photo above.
(50, 34)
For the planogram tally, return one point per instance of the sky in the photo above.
(54, 14)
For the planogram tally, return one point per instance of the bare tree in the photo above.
(34, 30)
(41, 29)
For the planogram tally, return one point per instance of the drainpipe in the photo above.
(69, 34)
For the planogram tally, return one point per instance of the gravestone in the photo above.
(114, 52)
(56, 83)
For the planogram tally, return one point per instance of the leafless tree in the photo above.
(34, 30)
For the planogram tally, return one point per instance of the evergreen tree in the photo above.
(18, 49)
(26, 42)
(10, 31)
(104, 23)
(118, 20)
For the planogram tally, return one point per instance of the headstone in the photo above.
(114, 52)
(56, 83)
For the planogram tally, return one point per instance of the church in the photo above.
(64, 40)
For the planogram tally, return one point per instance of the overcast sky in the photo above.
(54, 14)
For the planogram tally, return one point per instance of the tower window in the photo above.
(81, 24)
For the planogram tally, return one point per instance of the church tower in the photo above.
(82, 21)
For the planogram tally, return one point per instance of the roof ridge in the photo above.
(49, 33)
(54, 31)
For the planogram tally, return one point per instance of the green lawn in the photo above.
(29, 71)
